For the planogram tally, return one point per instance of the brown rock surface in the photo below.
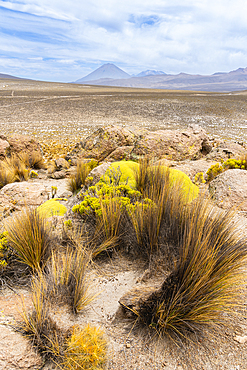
(22, 143)
(103, 142)
(174, 144)
(229, 189)
(115, 142)
(225, 150)
(4, 145)
(20, 194)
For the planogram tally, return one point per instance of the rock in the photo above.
(115, 142)
(123, 152)
(4, 146)
(21, 143)
(58, 175)
(226, 150)
(16, 352)
(98, 171)
(61, 164)
(191, 168)
(103, 142)
(229, 189)
(240, 339)
(20, 194)
(173, 144)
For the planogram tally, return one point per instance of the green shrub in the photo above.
(4, 250)
(121, 172)
(51, 207)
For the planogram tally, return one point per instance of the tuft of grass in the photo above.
(68, 278)
(159, 223)
(18, 166)
(38, 326)
(86, 349)
(30, 237)
(207, 279)
(77, 179)
(36, 160)
(7, 175)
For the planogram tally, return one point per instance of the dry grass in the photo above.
(160, 222)
(207, 280)
(68, 279)
(77, 179)
(30, 237)
(38, 326)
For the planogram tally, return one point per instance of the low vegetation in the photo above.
(18, 167)
(150, 212)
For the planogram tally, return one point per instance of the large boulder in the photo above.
(115, 143)
(173, 144)
(18, 144)
(229, 189)
(225, 150)
(103, 142)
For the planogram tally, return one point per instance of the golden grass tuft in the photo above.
(38, 326)
(77, 179)
(207, 279)
(30, 237)
(68, 278)
(86, 349)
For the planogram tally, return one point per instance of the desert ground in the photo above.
(68, 112)
(60, 115)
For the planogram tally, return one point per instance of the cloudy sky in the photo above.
(58, 40)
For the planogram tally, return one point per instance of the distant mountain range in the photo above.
(110, 75)
(2, 75)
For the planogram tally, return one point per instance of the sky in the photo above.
(58, 40)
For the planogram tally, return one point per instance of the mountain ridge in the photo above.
(218, 82)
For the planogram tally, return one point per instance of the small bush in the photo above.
(30, 237)
(51, 207)
(86, 349)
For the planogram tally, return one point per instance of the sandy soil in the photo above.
(52, 111)
(129, 348)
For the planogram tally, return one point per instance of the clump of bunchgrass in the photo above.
(29, 235)
(207, 279)
(77, 179)
(38, 326)
(68, 278)
(86, 349)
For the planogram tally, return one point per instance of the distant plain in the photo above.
(57, 112)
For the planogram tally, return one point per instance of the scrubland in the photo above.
(144, 272)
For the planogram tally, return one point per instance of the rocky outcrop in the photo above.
(18, 144)
(15, 196)
(229, 189)
(173, 144)
(115, 143)
(103, 142)
(225, 150)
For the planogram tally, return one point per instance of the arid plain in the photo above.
(64, 113)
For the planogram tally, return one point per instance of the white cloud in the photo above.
(66, 40)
